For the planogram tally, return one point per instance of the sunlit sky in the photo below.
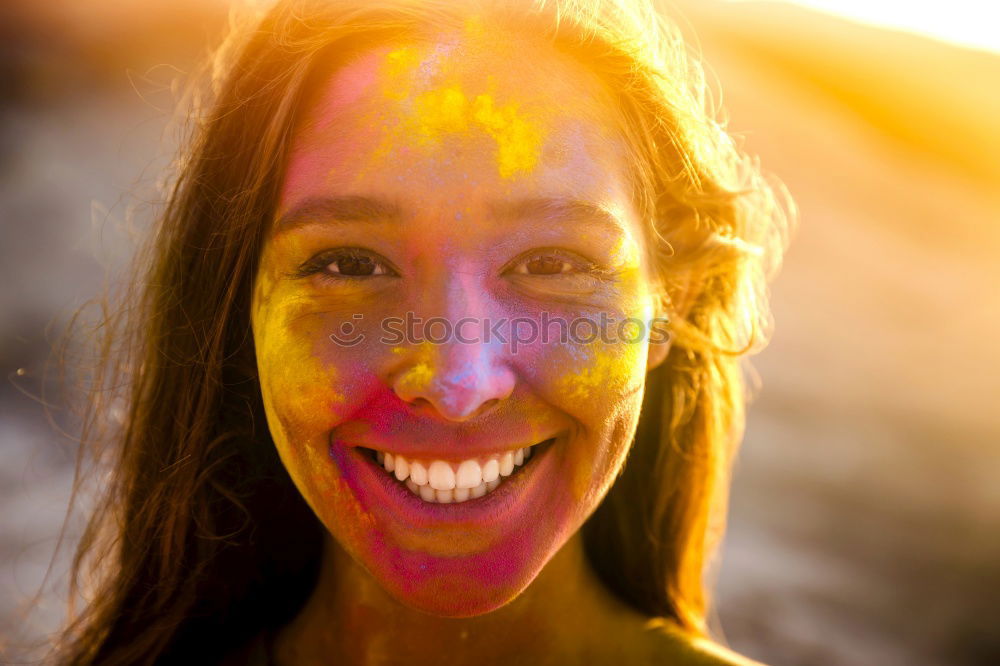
(974, 23)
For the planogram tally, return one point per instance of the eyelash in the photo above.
(319, 263)
(581, 265)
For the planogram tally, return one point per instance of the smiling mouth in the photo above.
(443, 482)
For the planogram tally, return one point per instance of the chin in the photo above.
(459, 587)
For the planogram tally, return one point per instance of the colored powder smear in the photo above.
(518, 140)
(606, 369)
(447, 110)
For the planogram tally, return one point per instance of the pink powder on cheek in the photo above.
(384, 411)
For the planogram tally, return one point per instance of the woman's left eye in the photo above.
(550, 272)
(549, 263)
(544, 265)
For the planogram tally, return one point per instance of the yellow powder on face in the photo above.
(519, 141)
(610, 369)
(289, 345)
(400, 62)
(447, 110)
(443, 111)
(421, 375)
(625, 252)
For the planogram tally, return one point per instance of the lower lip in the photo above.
(503, 508)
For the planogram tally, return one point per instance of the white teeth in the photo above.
(469, 475)
(418, 473)
(429, 494)
(402, 468)
(491, 470)
(439, 481)
(506, 464)
(441, 476)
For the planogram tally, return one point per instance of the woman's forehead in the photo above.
(461, 113)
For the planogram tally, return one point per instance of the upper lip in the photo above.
(458, 453)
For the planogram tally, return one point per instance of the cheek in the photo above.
(606, 390)
(299, 380)
(301, 384)
(600, 386)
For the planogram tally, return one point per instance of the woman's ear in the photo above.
(657, 354)
(660, 337)
(658, 351)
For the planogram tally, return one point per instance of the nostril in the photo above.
(421, 403)
(488, 405)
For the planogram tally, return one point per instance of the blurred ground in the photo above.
(865, 504)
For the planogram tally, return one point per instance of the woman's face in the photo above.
(454, 230)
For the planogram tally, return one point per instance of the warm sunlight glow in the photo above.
(972, 23)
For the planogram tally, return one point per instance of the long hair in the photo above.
(200, 539)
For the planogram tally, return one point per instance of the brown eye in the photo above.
(347, 264)
(544, 264)
(355, 266)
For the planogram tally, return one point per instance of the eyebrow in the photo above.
(355, 208)
(556, 209)
(339, 209)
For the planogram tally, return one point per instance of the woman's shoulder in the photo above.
(672, 645)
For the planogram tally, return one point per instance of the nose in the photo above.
(454, 380)
(462, 374)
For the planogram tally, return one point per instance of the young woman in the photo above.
(436, 357)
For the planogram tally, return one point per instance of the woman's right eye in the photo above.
(347, 263)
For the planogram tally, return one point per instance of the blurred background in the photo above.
(865, 512)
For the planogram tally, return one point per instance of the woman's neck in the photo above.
(351, 620)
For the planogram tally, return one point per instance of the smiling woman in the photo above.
(291, 487)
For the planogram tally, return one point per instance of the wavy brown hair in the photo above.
(200, 539)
